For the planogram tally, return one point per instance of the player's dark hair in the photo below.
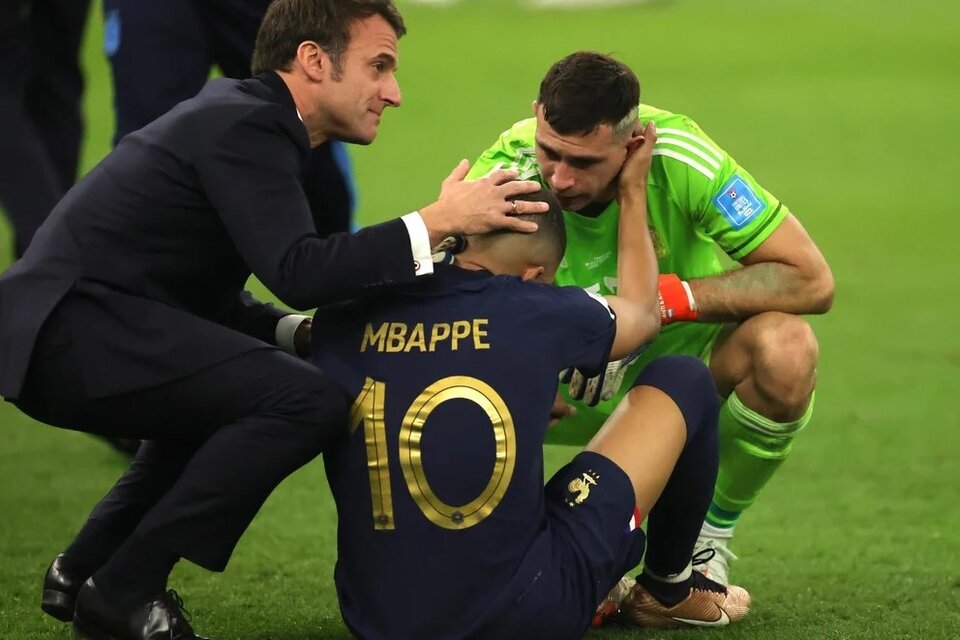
(288, 23)
(585, 90)
(551, 230)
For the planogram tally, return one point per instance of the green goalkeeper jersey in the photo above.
(699, 199)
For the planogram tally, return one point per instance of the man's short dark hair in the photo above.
(287, 23)
(551, 230)
(585, 90)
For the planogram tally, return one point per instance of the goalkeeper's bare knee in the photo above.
(784, 361)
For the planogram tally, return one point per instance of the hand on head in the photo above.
(481, 206)
(633, 175)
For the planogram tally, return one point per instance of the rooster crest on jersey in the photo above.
(580, 487)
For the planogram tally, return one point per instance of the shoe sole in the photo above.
(58, 604)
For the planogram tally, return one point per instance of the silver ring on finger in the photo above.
(516, 211)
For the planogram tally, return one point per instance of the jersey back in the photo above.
(439, 481)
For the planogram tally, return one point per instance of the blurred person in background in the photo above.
(745, 322)
(41, 120)
(127, 315)
(161, 53)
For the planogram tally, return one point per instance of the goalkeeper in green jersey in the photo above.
(745, 322)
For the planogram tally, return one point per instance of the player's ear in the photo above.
(532, 272)
(634, 141)
(313, 60)
(536, 107)
(636, 137)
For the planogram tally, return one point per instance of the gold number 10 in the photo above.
(368, 409)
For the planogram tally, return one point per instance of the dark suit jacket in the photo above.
(160, 238)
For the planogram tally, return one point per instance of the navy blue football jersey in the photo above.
(439, 480)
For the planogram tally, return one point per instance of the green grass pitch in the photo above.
(846, 110)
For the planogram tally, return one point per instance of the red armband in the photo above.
(676, 300)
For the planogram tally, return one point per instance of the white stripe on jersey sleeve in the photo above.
(601, 300)
(689, 136)
(692, 149)
(686, 160)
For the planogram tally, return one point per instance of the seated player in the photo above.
(446, 529)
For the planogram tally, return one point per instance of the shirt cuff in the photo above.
(286, 330)
(419, 243)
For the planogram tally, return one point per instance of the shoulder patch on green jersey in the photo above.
(737, 202)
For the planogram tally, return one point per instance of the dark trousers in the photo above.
(220, 440)
(161, 53)
(41, 125)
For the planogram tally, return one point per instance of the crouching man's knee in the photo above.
(315, 404)
(785, 362)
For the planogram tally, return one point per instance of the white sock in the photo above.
(711, 531)
(674, 578)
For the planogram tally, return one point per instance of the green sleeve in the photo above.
(724, 201)
(514, 149)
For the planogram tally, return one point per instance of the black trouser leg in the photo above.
(252, 420)
(29, 186)
(54, 91)
(40, 96)
(225, 483)
(152, 472)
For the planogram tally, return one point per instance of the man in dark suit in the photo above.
(161, 54)
(127, 315)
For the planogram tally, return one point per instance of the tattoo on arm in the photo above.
(753, 289)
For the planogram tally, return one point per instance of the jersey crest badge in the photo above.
(580, 488)
(738, 203)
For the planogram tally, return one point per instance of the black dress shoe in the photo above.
(162, 618)
(60, 586)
